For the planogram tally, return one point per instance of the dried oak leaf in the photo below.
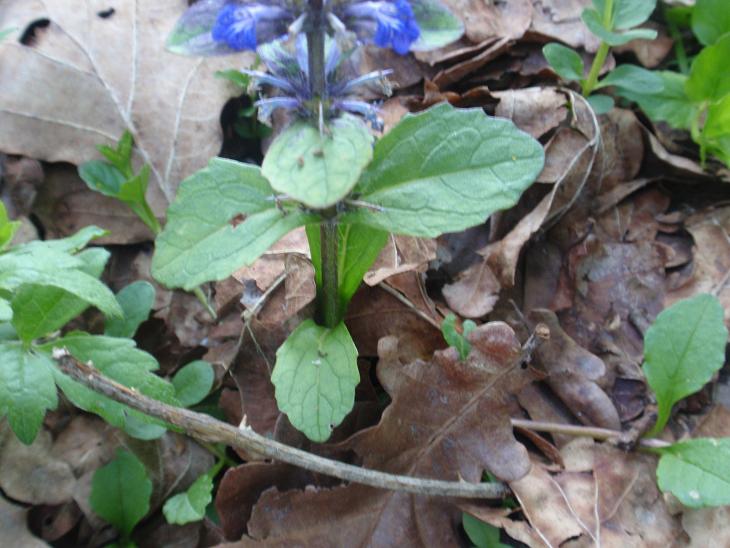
(85, 79)
(484, 20)
(447, 420)
(14, 529)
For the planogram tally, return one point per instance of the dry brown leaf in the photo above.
(650, 53)
(622, 147)
(458, 71)
(484, 20)
(710, 230)
(401, 254)
(30, 473)
(534, 110)
(95, 77)
(707, 526)
(14, 529)
(474, 292)
(560, 20)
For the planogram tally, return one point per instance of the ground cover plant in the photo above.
(398, 272)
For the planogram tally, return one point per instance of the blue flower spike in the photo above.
(386, 23)
(245, 26)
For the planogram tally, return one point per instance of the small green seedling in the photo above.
(456, 339)
(614, 22)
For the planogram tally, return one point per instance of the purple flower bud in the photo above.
(386, 23)
(244, 26)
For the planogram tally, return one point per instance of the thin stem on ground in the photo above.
(590, 83)
(206, 428)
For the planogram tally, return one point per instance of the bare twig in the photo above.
(208, 429)
(596, 433)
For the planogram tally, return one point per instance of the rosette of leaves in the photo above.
(614, 22)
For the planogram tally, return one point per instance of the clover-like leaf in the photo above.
(315, 378)
(444, 170)
(682, 350)
(224, 217)
(564, 61)
(318, 169)
(190, 505)
(121, 492)
(696, 471)
(27, 389)
(439, 27)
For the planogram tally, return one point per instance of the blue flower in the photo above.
(386, 23)
(245, 26)
(288, 71)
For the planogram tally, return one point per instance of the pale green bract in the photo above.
(682, 350)
(696, 471)
(315, 378)
(319, 169)
(445, 170)
(224, 217)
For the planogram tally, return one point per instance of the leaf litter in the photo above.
(622, 223)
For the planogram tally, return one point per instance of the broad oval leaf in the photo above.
(439, 27)
(190, 505)
(223, 218)
(564, 61)
(315, 378)
(710, 20)
(27, 389)
(627, 13)
(136, 300)
(121, 492)
(682, 350)
(445, 170)
(670, 105)
(318, 169)
(696, 471)
(633, 78)
(193, 382)
(709, 79)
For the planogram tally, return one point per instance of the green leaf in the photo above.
(709, 79)
(594, 22)
(6, 32)
(634, 79)
(26, 389)
(119, 360)
(102, 177)
(670, 105)
(564, 61)
(358, 247)
(315, 378)
(133, 193)
(445, 170)
(710, 20)
(6, 311)
(482, 535)
(696, 471)
(236, 76)
(439, 27)
(42, 309)
(7, 227)
(190, 505)
(715, 136)
(136, 301)
(224, 217)
(456, 339)
(601, 104)
(627, 13)
(682, 349)
(319, 169)
(121, 492)
(193, 382)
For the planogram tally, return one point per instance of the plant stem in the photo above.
(329, 301)
(601, 434)
(206, 428)
(590, 83)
